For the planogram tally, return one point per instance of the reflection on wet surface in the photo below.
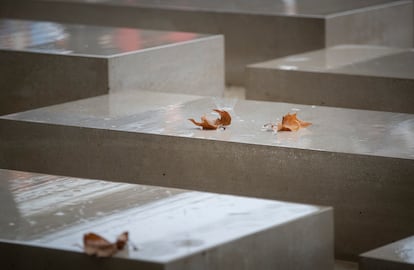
(37, 199)
(53, 37)
(283, 7)
(164, 223)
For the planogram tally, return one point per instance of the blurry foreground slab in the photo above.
(44, 219)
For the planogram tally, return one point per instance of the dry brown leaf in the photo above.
(224, 120)
(95, 244)
(291, 123)
(205, 123)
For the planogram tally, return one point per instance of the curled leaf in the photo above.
(95, 244)
(205, 123)
(224, 120)
(291, 123)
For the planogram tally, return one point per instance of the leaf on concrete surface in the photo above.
(290, 122)
(223, 121)
(95, 244)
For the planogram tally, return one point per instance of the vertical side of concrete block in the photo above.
(193, 67)
(30, 80)
(388, 24)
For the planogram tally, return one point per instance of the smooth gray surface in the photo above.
(46, 63)
(353, 76)
(172, 229)
(360, 162)
(397, 255)
(254, 31)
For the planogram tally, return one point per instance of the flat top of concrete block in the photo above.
(315, 8)
(164, 223)
(360, 60)
(74, 39)
(333, 129)
(400, 251)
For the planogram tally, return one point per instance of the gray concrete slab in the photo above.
(397, 255)
(360, 162)
(351, 76)
(45, 63)
(254, 31)
(168, 228)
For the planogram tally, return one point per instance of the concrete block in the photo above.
(359, 162)
(254, 31)
(46, 63)
(351, 76)
(168, 228)
(397, 255)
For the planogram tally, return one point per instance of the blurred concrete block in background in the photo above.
(254, 30)
(351, 76)
(45, 63)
